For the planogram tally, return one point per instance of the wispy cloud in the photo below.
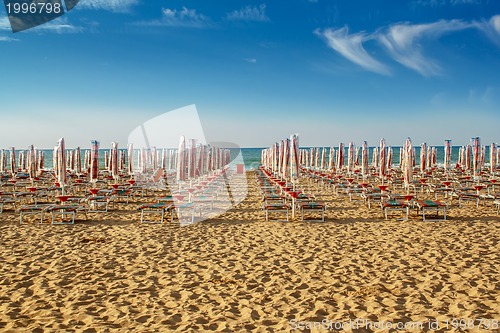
(8, 39)
(490, 28)
(179, 18)
(439, 3)
(4, 23)
(111, 5)
(250, 60)
(249, 13)
(402, 42)
(351, 47)
(59, 25)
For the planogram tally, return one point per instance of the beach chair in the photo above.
(187, 209)
(99, 203)
(277, 208)
(153, 209)
(312, 207)
(64, 211)
(497, 204)
(424, 206)
(395, 205)
(33, 209)
(7, 199)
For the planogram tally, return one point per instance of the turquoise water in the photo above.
(251, 156)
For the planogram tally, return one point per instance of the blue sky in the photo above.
(258, 71)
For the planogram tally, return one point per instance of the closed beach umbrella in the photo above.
(468, 157)
(331, 160)
(32, 163)
(364, 159)
(294, 160)
(408, 164)
(340, 158)
(2, 161)
(423, 157)
(130, 153)
(114, 160)
(476, 151)
(181, 162)
(94, 160)
(350, 157)
(61, 163)
(323, 158)
(493, 158)
(78, 160)
(447, 155)
(383, 159)
(389, 159)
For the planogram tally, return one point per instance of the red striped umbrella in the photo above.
(331, 160)
(365, 169)
(383, 160)
(3, 161)
(476, 151)
(447, 155)
(423, 157)
(32, 163)
(94, 161)
(493, 158)
(130, 153)
(350, 158)
(468, 157)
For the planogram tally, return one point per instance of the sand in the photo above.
(239, 273)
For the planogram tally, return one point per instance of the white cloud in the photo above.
(179, 18)
(8, 39)
(4, 24)
(59, 25)
(250, 60)
(351, 47)
(111, 5)
(490, 28)
(402, 43)
(249, 14)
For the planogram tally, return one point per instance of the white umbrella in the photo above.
(408, 164)
(181, 162)
(114, 161)
(61, 164)
(130, 153)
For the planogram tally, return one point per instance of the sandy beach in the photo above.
(239, 273)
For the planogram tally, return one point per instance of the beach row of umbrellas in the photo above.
(471, 157)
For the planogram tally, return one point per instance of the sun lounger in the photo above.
(497, 204)
(395, 205)
(276, 208)
(63, 211)
(312, 207)
(34, 209)
(155, 208)
(434, 206)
